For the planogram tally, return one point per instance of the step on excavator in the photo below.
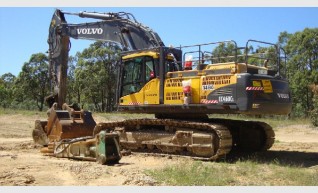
(180, 86)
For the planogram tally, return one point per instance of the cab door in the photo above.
(137, 76)
(151, 88)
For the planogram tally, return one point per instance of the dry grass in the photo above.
(242, 173)
(18, 123)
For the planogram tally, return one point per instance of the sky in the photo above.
(24, 30)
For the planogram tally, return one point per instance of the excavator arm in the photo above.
(68, 130)
(121, 28)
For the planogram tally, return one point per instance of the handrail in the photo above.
(207, 44)
(262, 42)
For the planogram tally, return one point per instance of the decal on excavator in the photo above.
(90, 31)
(267, 86)
(208, 87)
(283, 96)
(256, 83)
(226, 99)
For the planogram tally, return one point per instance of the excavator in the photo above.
(181, 86)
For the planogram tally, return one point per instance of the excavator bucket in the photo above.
(68, 133)
(63, 124)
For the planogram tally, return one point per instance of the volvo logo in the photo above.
(90, 31)
(283, 96)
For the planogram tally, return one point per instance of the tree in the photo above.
(226, 52)
(72, 88)
(95, 75)
(3, 94)
(302, 53)
(6, 89)
(34, 80)
(314, 112)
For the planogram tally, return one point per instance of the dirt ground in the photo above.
(23, 164)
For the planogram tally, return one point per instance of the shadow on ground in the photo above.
(283, 158)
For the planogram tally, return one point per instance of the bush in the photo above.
(314, 112)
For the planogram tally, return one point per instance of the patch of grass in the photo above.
(115, 116)
(292, 176)
(242, 173)
(274, 121)
(194, 174)
(22, 112)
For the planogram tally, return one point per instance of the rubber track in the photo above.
(225, 138)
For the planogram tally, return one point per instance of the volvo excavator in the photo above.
(181, 86)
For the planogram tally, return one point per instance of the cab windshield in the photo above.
(136, 73)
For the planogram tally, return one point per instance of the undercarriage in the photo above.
(210, 139)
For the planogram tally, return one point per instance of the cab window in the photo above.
(171, 66)
(136, 73)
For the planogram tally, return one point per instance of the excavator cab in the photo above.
(141, 74)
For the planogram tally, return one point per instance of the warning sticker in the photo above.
(256, 83)
(267, 86)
